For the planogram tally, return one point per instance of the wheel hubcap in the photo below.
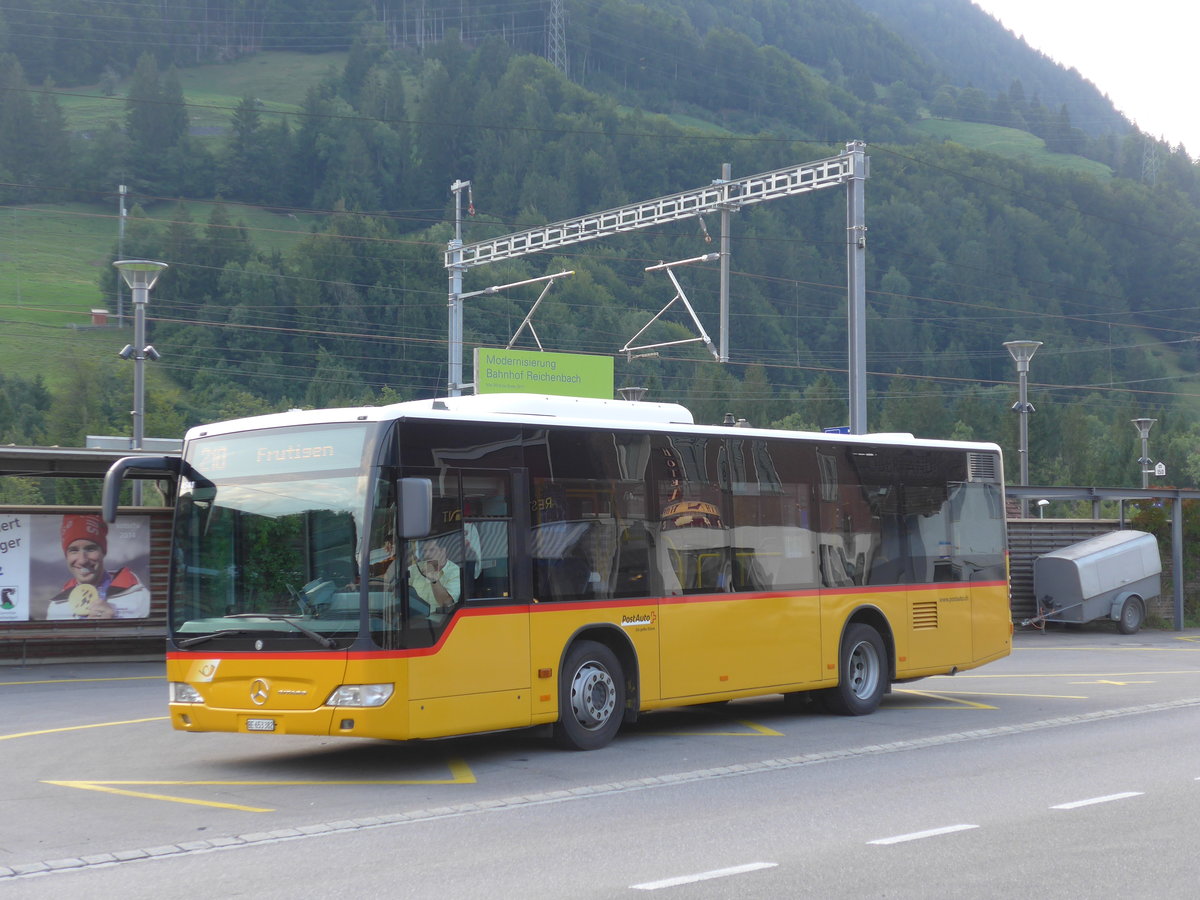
(864, 670)
(593, 695)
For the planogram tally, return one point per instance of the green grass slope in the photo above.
(1010, 143)
(52, 255)
(279, 80)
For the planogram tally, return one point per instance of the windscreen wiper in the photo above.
(200, 639)
(326, 642)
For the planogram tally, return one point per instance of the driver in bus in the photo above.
(434, 578)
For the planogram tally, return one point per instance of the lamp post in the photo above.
(140, 275)
(1144, 461)
(1022, 352)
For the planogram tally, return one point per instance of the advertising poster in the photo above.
(73, 566)
(14, 568)
(537, 372)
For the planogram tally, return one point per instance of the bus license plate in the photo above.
(260, 724)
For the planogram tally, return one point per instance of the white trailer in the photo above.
(1110, 576)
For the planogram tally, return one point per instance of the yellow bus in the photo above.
(469, 564)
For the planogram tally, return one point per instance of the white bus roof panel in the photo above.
(535, 408)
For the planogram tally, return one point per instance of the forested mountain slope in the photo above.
(967, 248)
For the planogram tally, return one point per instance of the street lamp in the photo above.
(1144, 461)
(140, 275)
(1022, 352)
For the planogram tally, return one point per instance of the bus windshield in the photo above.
(267, 538)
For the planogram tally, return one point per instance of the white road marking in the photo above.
(702, 876)
(1094, 800)
(587, 792)
(918, 835)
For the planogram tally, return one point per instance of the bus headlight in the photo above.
(361, 695)
(182, 692)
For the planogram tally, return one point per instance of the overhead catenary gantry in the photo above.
(680, 297)
(848, 168)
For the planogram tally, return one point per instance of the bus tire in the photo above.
(1132, 615)
(591, 698)
(863, 673)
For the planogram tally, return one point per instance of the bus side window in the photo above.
(634, 552)
(486, 522)
(487, 553)
(773, 521)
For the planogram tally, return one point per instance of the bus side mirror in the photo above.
(416, 507)
(115, 476)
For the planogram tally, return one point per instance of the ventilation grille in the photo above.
(983, 467)
(925, 615)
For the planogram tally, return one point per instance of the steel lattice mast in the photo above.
(849, 168)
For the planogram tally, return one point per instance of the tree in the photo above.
(102, 161)
(945, 102)
(824, 403)
(24, 405)
(17, 121)
(973, 105)
(51, 145)
(334, 383)
(144, 125)
(440, 144)
(92, 401)
(247, 166)
(903, 100)
(306, 164)
(19, 491)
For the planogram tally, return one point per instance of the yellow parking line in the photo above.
(84, 680)
(1008, 694)
(1081, 647)
(105, 787)
(964, 677)
(23, 734)
(954, 703)
(460, 773)
(755, 731)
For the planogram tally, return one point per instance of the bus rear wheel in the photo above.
(864, 673)
(591, 698)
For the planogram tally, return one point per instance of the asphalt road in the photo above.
(1066, 770)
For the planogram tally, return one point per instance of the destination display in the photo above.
(278, 451)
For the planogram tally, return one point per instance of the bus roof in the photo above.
(534, 409)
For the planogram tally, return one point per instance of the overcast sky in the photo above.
(1142, 55)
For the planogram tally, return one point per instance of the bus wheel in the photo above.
(1132, 614)
(864, 673)
(591, 698)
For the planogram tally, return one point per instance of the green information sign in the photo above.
(534, 372)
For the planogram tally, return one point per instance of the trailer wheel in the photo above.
(1133, 613)
(864, 673)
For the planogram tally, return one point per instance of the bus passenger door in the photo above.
(474, 675)
(741, 610)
